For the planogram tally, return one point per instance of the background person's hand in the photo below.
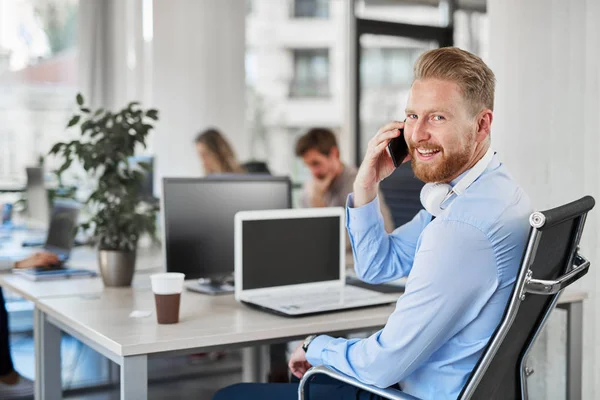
(41, 259)
(298, 364)
(377, 164)
(317, 190)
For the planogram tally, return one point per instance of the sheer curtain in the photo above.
(113, 54)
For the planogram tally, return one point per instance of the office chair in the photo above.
(401, 191)
(256, 167)
(551, 262)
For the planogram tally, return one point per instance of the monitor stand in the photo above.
(214, 286)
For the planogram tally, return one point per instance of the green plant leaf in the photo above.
(98, 112)
(85, 110)
(152, 113)
(79, 99)
(74, 120)
(56, 148)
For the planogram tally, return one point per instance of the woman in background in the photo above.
(216, 154)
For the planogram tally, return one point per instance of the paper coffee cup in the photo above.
(167, 288)
(167, 283)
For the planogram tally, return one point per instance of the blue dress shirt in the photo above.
(461, 268)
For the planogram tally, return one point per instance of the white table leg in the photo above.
(48, 381)
(134, 378)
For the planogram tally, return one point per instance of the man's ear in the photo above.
(484, 125)
(334, 153)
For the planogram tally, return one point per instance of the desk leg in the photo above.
(250, 364)
(134, 377)
(48, 381)
(574, 350)
(255, 364)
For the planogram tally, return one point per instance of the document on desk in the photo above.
(53, 274)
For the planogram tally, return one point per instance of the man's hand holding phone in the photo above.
(377, 164)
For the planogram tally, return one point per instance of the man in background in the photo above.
(332, 180)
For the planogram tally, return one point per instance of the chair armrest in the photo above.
(391, 394)
(539, 286)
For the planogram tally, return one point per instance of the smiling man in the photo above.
(461, 265)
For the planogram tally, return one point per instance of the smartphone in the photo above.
(398, 149)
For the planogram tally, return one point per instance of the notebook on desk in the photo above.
(292, 263)
(45, 274)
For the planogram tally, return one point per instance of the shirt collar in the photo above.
(492, 165)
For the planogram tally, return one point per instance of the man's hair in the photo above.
(321, 139)
(475, 79)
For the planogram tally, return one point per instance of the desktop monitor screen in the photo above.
(199, 219)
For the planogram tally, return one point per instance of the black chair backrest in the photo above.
(402, 193)
(256, 167)
(557, 240)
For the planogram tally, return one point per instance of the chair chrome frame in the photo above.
(525, 284)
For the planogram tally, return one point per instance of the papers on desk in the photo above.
(35, 274)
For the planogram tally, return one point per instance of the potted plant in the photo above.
(119, 214)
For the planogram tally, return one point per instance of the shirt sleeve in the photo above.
(378, 256)
(453, 277)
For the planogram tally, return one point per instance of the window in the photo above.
(311, 8)
(388, 67)
(38, 80)
(311, 73)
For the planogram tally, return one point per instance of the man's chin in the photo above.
(429, 173)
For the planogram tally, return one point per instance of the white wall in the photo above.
(546, 56)
(198, 79)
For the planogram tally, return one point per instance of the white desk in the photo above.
(207, 323)
(148, 261)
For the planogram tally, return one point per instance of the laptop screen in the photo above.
(281, 252)
(61, 233)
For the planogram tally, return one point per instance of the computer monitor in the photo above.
(147, 186)
(37, 195)
(198, 221)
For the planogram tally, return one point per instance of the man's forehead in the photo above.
(430, 94)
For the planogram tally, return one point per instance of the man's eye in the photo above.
(438, 118)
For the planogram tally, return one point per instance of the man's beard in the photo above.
(442, 170)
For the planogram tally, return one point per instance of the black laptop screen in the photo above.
(61, 233)
(280, 252)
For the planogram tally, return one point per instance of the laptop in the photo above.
(292, 263)
(61, 232)
(37, 195)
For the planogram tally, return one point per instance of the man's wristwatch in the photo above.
(307, 342)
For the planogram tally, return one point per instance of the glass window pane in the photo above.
(311, 73)
(397, 11)
(38, 80)
(298, 80)
(311, 8)
(470, 32)
(386, 76)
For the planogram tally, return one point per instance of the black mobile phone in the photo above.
(398, 149)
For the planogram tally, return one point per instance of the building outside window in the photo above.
(311, 73)
(311, 9)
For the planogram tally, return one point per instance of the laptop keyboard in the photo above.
(320, 300)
